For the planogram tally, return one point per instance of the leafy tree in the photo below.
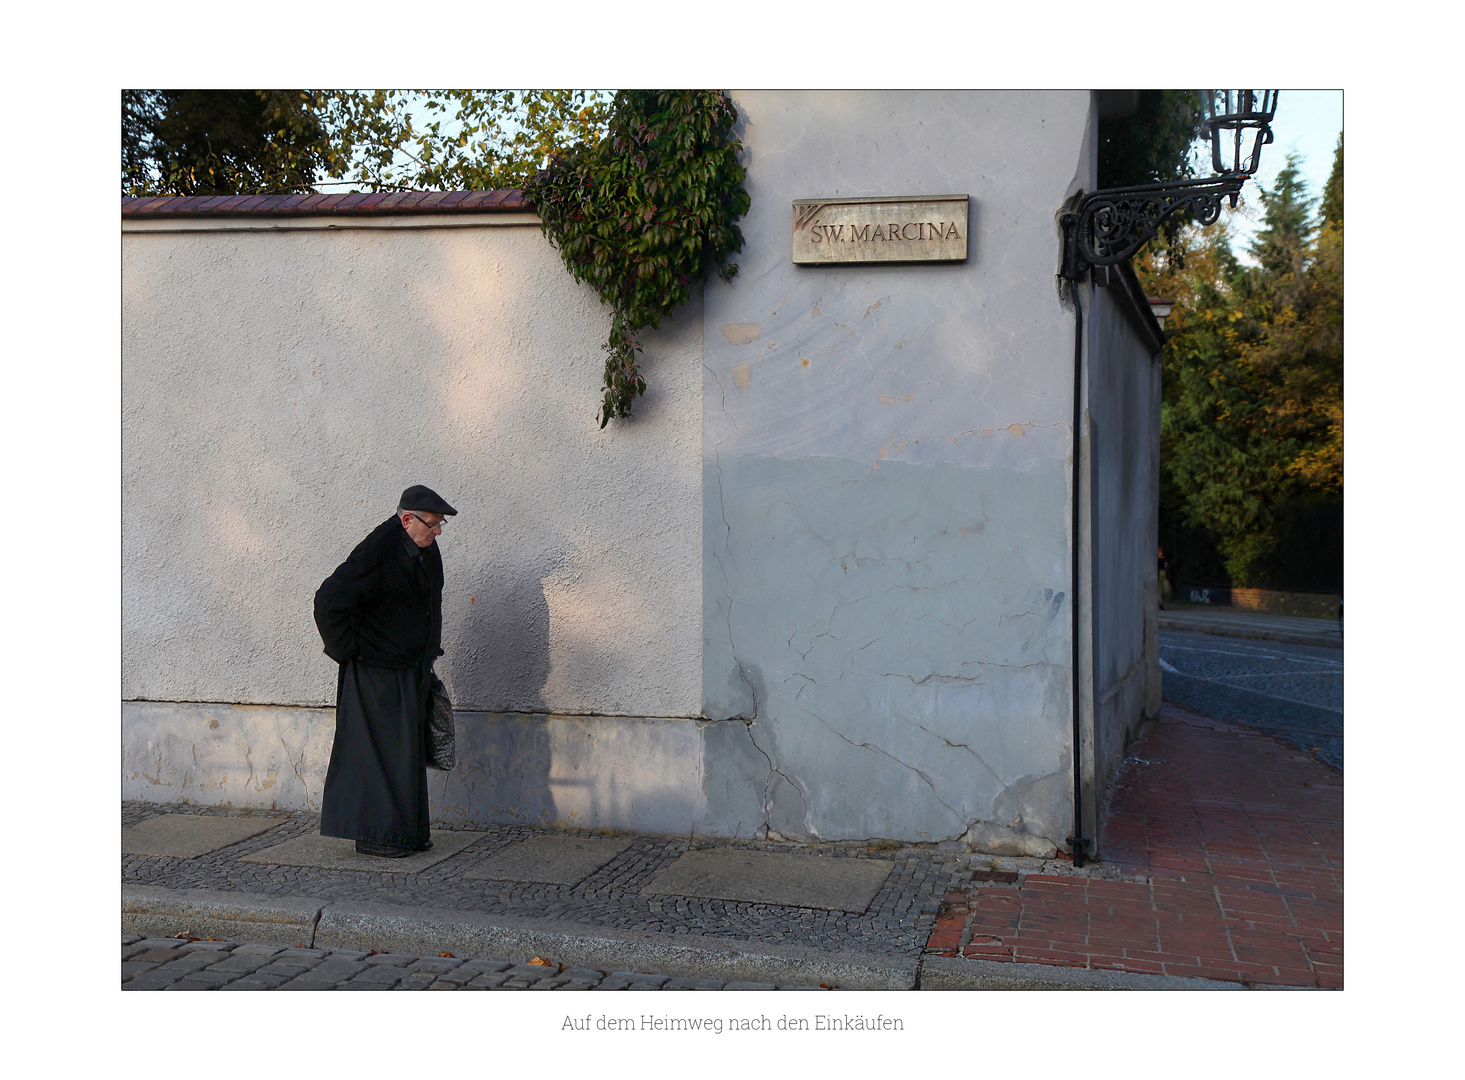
(1217, 453)
(1316, 394)
(224, 142)
(1298, 293)
(237, 142)
(1151, 146)
(1332, 208)
(1251, 428)
(471, 140)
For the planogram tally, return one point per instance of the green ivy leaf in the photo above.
(643, 212)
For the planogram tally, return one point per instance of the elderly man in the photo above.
(380, 616)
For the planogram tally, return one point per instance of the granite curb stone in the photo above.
(1329, 639)
(425, 930)
(241, 917)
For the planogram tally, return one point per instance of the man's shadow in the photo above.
(495, 666)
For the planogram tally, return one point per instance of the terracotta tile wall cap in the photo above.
(316, 203)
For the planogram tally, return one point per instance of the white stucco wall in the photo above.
(281, 388)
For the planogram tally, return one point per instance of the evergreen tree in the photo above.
(1281, 246)
(1303, 352)
(1251, 427)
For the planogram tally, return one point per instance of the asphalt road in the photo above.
(1292, 691)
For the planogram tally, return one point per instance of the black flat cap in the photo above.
(425, 499)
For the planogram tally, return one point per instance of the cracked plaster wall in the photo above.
(885, 493)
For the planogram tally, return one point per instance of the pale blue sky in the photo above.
(1307, 122)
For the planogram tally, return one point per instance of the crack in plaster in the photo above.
(727, 546)
(879, 750)
(774, 770)
(295, 763)
(726, 577)
(968, 749)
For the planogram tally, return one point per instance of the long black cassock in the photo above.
(380, 617)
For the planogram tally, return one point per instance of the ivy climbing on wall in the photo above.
(646, 213)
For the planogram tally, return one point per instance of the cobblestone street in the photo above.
(180, 964)
(1292, 691)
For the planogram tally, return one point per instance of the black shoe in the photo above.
(381, 851)
(426, 845)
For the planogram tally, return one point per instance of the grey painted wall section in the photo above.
(281, 388)
(885, 479)
(1123, 424)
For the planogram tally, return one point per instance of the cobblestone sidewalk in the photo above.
(179, 964)
(895, 924)
(1226, 852)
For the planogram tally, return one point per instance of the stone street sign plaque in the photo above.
(924, 228)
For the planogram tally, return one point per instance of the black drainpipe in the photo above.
(1078, 842)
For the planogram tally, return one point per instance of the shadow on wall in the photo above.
(501, 660)
(502, 773)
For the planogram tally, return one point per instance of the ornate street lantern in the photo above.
(1230, 115)
(1110, 225)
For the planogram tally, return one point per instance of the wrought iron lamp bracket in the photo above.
(1110, 225)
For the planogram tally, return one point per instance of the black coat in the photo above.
(383, 607)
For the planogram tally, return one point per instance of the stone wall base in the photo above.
(630, 773)
(656, 775)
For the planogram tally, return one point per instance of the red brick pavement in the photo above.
(1241, 837)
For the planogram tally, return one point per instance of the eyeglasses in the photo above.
(439, 525)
